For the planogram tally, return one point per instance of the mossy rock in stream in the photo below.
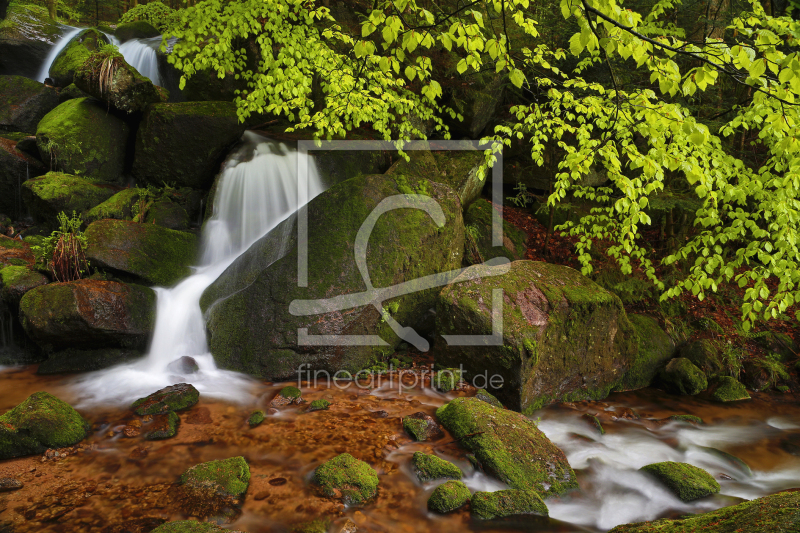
(729, 389)
(173, 398)
(448, 497)
(123, 89)
(508, 446)
(422, 427)
(138, 29)
(191, 526)
(40, 422)
(249, 308)
(775, 513)
(215, 486)
(163, 426)
(705, 355)
(564, 338)
(74, 55)
(655, 349)
(429, 467)
(15, 281)
(686, 481)
(319, 405)
(88, 314)
(256, 418)
(23, 103)
(485, 396)
(479, 227)
(27, 34)
(347, 478)
(148, 252)
(507, 503)
(55, 193)
(81, 137)
(681, 376)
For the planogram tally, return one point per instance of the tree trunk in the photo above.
(51, 8)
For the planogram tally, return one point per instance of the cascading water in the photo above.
(141, 55)
(258, 190)
(44, 72)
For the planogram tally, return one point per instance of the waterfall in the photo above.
(141, 55)
(44, 72)
(257, 190)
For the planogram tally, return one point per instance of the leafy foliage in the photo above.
(63, 253)
(160, 16)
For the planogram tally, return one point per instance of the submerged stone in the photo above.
(448, 497)
(319, 405)
(347, 478)
(728, 389)
(429, 467)
(507, 503)
(681, 376)
(191, 526)
(256, 418)
(692, 419)
(40, 422)
(594, 422)
(508, 446)
(686, 481)
(8, 484)
(173, 398)
(163, 426)
(421, 426)
(777, 512)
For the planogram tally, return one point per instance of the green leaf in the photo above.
(517, 77)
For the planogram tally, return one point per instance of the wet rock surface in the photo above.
(173, 398)
(422, 427)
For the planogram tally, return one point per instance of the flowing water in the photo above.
(44, 72)
(257, 190)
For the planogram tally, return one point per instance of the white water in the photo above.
(258, 190)
(614, 492)
(44, 71)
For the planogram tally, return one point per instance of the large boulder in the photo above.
(15, 167)
(777, 512)
(26, 36)
(24, 102)
(81, 137)
(40, 422)
(193, 136)
(686, 481)
(459, 169)
(681, 376)
(704, 354)
(479, 235)
(249, 322)
(655, 349)
(115, 82)
(347, 478)
(138, 29)
(49, 195)
(74, 55)
(564, 338)
(508, 446)
(147, 252)
(172, 208)
(88, 314)
(16, 280)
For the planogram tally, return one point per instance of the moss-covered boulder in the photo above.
(163, 426)
(655, 348)
(81, 137)
(49, 195)
(72, 360)
(704, 354)
(346, 478)
(480, 236)
(726, 389)
(193, 136)
(686, 481)
(118, 85)
(777, 512)
(138, 29)
(681, 376)
(27, 34)
(191, 526)
(564, 338)
(509, 446)
(70, 92)
(448, 497)
(421, 427)
(447, 379)
(507, 503)
(485, 396)
(148, 252)
(74, 55)
(212, 487)
(40, 422)
(88, 314)
(287, 396)
(118, 207)
(169, 399)
(459, 170)
(169, 214)
(779, 343)
(24, 102)
(252, 323)
(15, 281)
(16, 166)
(428, 467)
(256, 418)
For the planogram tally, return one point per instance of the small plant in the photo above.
(772, 366)
(63, 253)
(101, 66)
(731, 359)
(522, 197)
(473, 234)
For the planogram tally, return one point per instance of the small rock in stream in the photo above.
(421, 426)
(163, 427)
(8, 484)
(174, 398)
(287, 396)
(185, 365)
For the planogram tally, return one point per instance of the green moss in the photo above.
(420, 426)
(291, 393)
(505, 503)
(655, 348)
(687, 418)
(189, 526)
(74, 55)
(428, 467)
(319, 405)
(681, 376)
(173, 398)
(228, 477)
(11, 244)
(775, 513)
(478, 221)
(448, 497)
(42, 421)
(728, 389)
(687, 482)
(139, 29)
(55, 192)
(118, 207)
(16, 280)
(594, 422)
(346, 477)
(484, 396)
(256, 418)
(164, 427)
(447, 379)
(508, 446)
(320, 525)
